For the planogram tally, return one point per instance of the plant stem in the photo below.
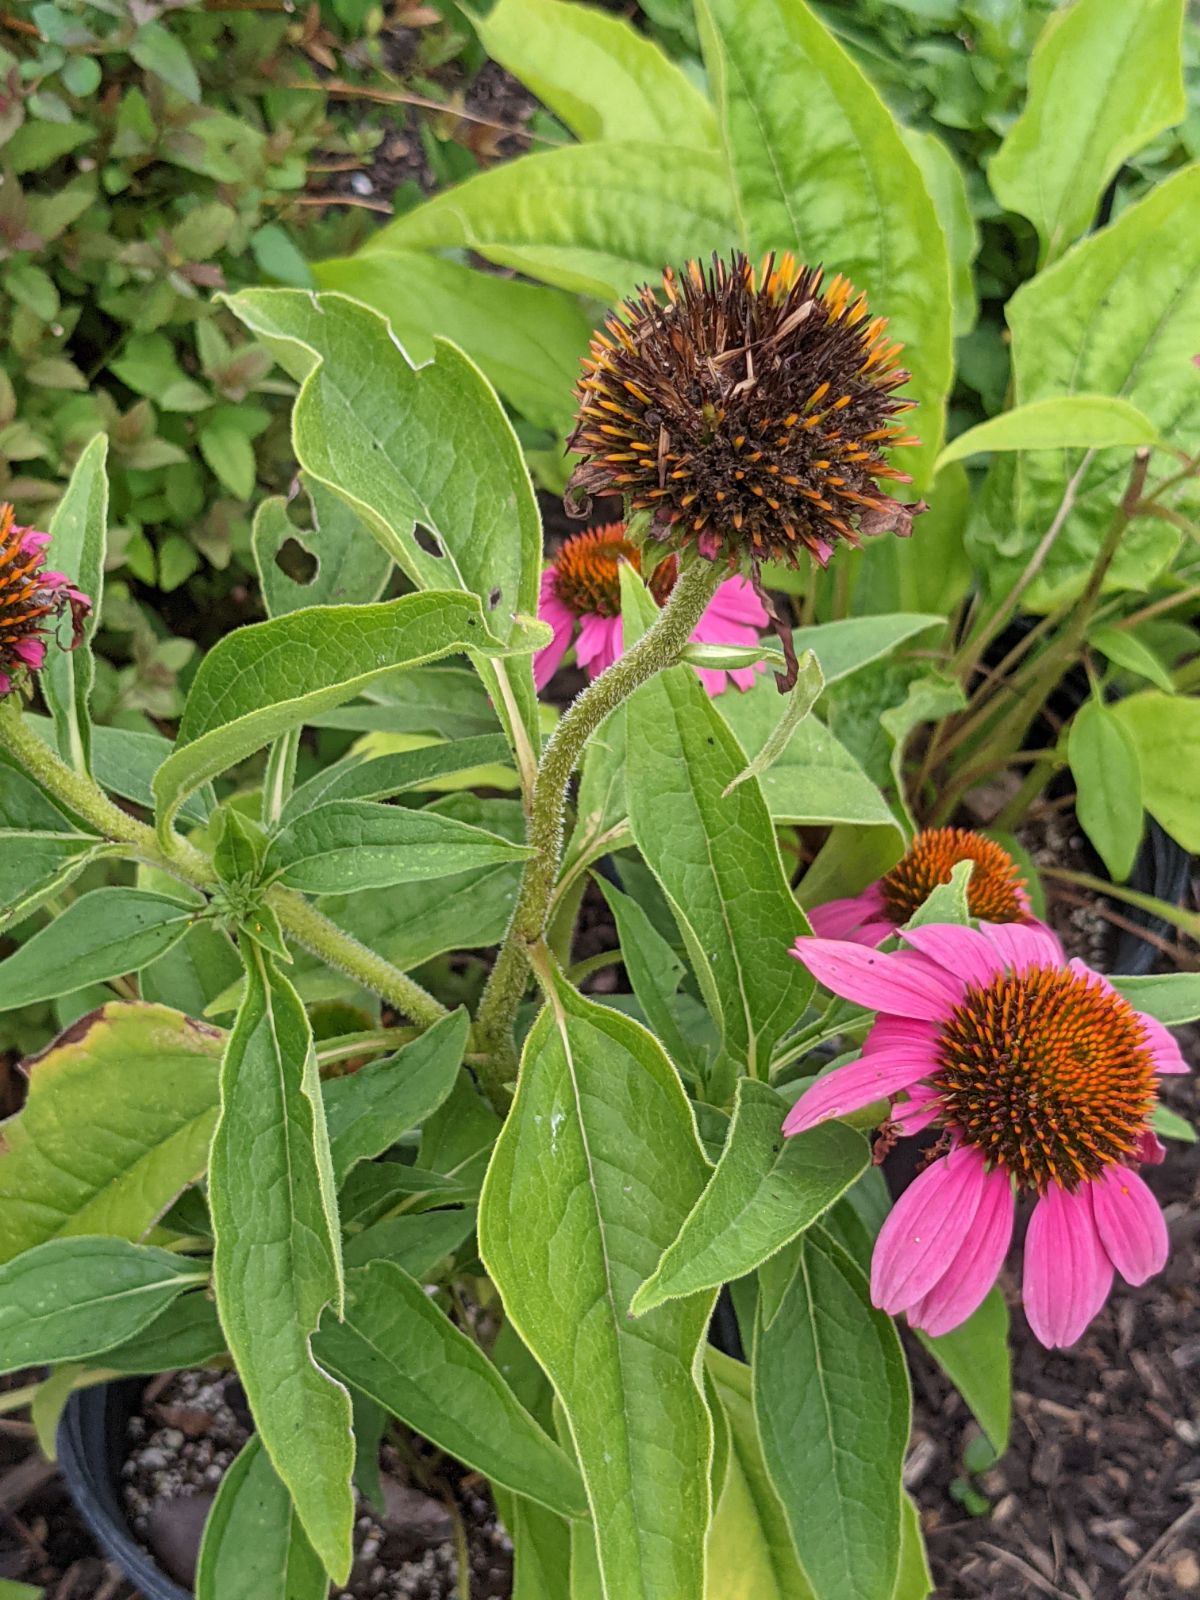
(308, 926)
(658, 648)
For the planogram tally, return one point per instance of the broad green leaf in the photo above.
(102, 935)
(415, 1242)
(78, 542)
(718, 862)
(597, 219)
(416, 448)
(262, 680)
(1089, 421)
(655, 971)
(593, 1174)
(947, 188)
(844, 647)
(397, 1346)
(34, 866)
(20, 1591)
(191, 974)
(277, 1261)
(1115, 316)
(1108, 786)
(343, 846)
(750, 1550)
(187, 1334)
(1165, 732)
(832, 1400)
(525, 338)
(797, 704)
(360, 777)
(156, 49)
(368, 1110)
(927, 699)
(914, 1581)
(1170, 1125)
(254, 1547)
(1171, 997)
(765, 1190)
(946, 901)
(125, 760)
(69, 1299)
(117, 1121)
(597, 73)
(976, 1359)
(820, 168)
(446, 701)
(1125, 650)
(352, 569)
(1105, 78)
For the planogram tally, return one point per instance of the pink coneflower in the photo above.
(584, 587)
(995, 892)
(1043, 1078)
(30, 599)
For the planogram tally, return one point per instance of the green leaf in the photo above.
(35, 866)
(947, 188)
(593, 1174)
(804, 694)
(102, 935)
(914, 1581)
(597, 219)
(411, 448)
(820, 168)
(125, 761)
(254, 1547)
(117, 1121)
(1124, 649)
(975, 1357)
(260, 681)
(1115, 316)
(1105, 78)
(597, 73)
(946, 902)
(415, 1242)
(368, 1110)
(1090, 421)
(360, 777)
(79, 539)
(1108, 786)
(1170, 1125)
(832, 1400)
(187, 1334)
(157, 50)
(230, 454)
(927, 699)
(191, 974)
(525, 338)
(1165, 732)
(277, 1261)
(655, 971)
(764, 1192)
(69, 1299)
(350, 570)
(397, 1346)
(717, 861)
(1171, 997)
(347, 845)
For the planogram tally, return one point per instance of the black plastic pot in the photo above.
(92, 1445)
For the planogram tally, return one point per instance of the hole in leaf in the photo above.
(297, 563)
(429, 542)
(494, 599)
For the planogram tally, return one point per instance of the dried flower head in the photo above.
(32, 599)
(749, 413)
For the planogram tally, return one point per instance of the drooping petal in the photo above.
(921, 1106)
(925, 1229)
(959, 950)
(31, 651)
(906, 988)
(838, 919)
(975, 1268)
(1022, 946)
(1129, 1223)
(599, 644)
(853, 1086)
(1067, 1273)
(1151, 1151)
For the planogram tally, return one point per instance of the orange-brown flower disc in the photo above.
(587, 571)
(749, 413)
(1048, 1073)
(994, 892)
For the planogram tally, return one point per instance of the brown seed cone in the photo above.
(748, 414)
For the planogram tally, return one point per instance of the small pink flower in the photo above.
(583, 588)
(995, 893)
(31, 599)
(1044, 1079)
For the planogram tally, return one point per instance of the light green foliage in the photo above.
(254, 1547)
(596, 72)
(1172, 997)
(1165, 733)
(79, 535)
(351, 570)
(976, 1359)
(1108, 785)
(593, 1174)
(69, 1299)
(1087, 421)
(1126, 651)
(765, 1190)
(118, 1119)
(948, 190)
(947, 902)
(380, 777)
(277, 1262)
(655, 971)
(820, 168)
(1105, 77)
(397, 1346)
(800, 700)
(186, 1334)
(831, 1397)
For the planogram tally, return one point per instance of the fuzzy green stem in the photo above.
(660, 647)
(307, 926)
